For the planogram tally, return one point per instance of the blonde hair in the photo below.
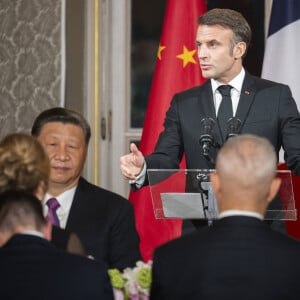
(24, 164)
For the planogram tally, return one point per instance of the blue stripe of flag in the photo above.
(283, 13)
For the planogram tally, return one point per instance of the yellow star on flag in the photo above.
(187, 56)
(160, 49)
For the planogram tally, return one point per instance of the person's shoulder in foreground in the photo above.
(239, 248)
(37, 270)
(31, 267)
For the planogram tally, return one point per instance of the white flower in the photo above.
(137, 280)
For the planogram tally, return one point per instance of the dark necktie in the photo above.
(225, 110)
(53, 205)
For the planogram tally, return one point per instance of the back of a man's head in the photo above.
(247, 159)
(246, 167)
(19, 212)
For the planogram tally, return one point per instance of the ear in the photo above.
(4, 237)
(239, 49)
(215, 181)
(2, 240)
(48, 231)
(40, 191)
(274, 188)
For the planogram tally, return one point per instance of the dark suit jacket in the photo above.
(236, 258)
(105, 224)
(67, 241)
(31, 268)
(265, 108)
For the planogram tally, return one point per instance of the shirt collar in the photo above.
(236, 82)
(235, 212)
(33, 232)
(63, 199)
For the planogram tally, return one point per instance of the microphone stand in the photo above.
(206, 139)
(204, 196)
(234, 126)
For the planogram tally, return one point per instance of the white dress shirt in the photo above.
(236, 84)
(235, 212)
(33, 232)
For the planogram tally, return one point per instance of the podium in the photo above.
(188, 194)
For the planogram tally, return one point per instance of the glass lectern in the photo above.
(188, 194)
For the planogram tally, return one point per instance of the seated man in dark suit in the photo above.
(239, 256)
(103, 220)
(32, 268)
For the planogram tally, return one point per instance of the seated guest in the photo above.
(239, 256)
(103, 220)
(24, 165)
(32, 268)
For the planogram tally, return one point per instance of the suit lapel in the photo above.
(207, 101)
(246, 98)
(76, 209)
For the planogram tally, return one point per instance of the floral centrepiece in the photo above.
(132, 283)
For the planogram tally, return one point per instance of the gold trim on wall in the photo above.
(96, 93)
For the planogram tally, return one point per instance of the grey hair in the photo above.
(249, 159)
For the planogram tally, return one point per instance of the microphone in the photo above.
(206, 139)
(233, 127)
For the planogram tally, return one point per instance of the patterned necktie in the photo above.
(225, 110)
(53, 205)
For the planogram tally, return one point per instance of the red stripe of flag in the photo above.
(176, 69)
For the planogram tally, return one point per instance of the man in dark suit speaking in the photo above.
(262, 107)
(239, 257)
(32, 268)
(103, 220)
(231, 102)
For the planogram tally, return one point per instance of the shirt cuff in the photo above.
(140, 178)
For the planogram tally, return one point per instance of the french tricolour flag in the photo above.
(282, 52)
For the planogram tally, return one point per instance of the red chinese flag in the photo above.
(176, 69)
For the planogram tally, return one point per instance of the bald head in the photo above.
(248, 160)
(245, 170)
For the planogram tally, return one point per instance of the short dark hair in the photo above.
(230, 19)
(20, 208)
(63, 115)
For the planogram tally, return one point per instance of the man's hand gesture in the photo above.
(132, 164)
